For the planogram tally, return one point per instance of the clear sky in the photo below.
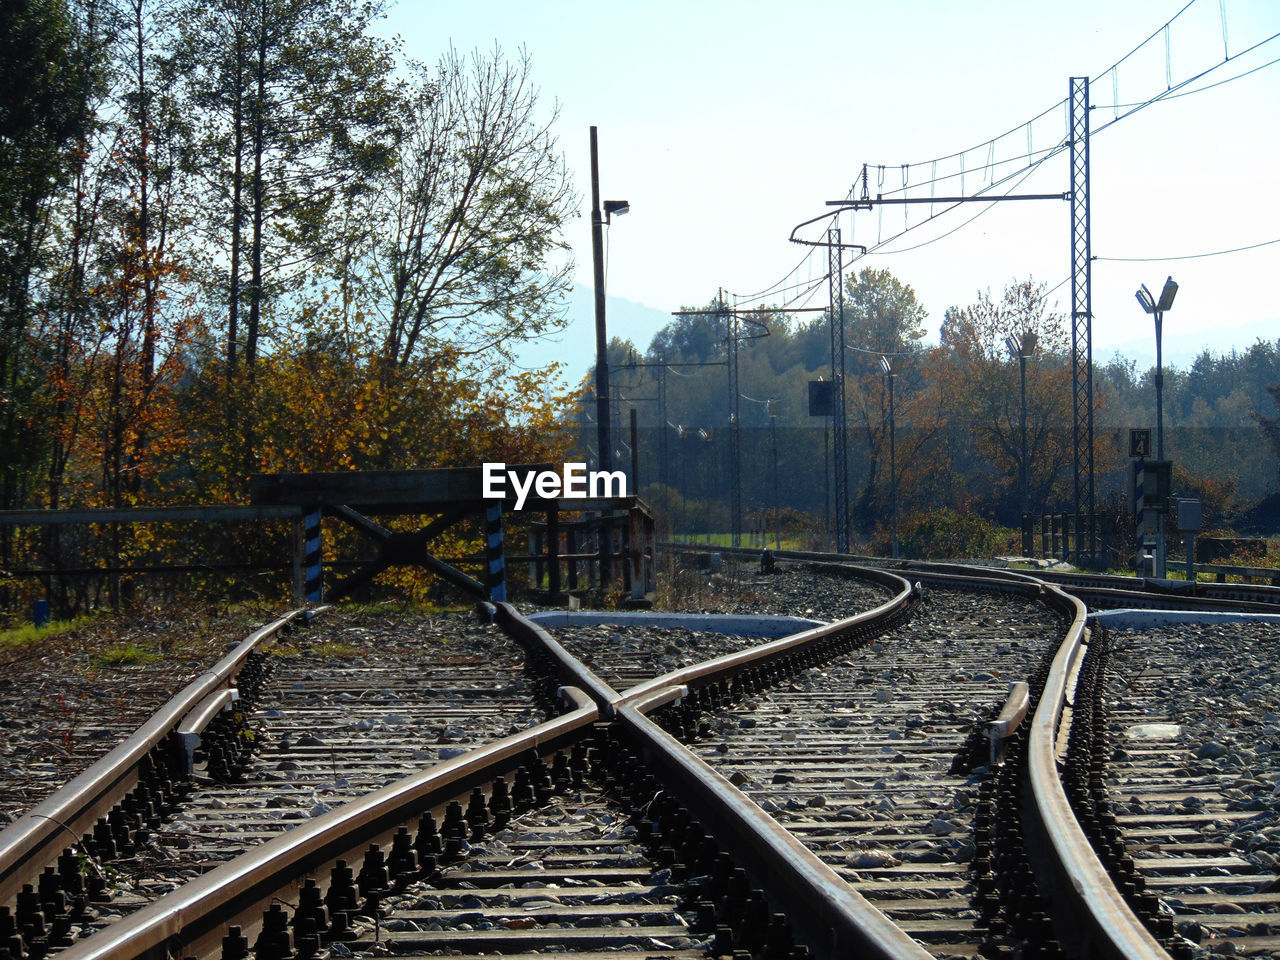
(725, 124)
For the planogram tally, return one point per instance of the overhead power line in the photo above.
(1190, 256)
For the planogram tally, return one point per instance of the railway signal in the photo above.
(1149, 489)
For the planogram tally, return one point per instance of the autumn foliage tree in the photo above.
(244, 236)
(986, 392)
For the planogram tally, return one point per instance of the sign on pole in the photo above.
(1139, 443)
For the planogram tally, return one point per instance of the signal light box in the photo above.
(819, 398)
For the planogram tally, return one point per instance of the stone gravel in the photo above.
(794, 589)
(1195, 725)
(63, 705)
(61, 708)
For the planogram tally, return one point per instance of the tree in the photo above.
(49, 49)
(696, 335)
(466, 239)
(882, 317)
(988, 391)
(295, 109)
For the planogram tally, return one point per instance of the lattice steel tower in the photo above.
(1081, 320)
(839, 453)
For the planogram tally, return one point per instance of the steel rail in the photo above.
(1264, 592)
(570, 670)
(1145, 599)
(190, 921)
(574, 673)
(1090, 912)
(1084, 896)
(824, 911)
(197, 720)
(727, 666)
(34, 840)
(1109, 588)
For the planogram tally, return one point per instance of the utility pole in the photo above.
(773, 438)
(887, 365)
(603, 443)
(735, 411)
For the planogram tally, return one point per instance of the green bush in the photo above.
(945, 534)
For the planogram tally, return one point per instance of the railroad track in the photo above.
(55, 903)
(677, 849)
(1099, 591)
(320, 719)
(877, 762)
(1176, 766)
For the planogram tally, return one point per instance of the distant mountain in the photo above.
(576, 345)
(1181, 349)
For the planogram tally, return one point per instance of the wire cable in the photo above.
(1187, 93)
(876, 249)
(1190, 256)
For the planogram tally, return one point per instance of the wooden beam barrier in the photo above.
(202, 514)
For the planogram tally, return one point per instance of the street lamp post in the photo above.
(602, 339)
(893, 460)
(1157, 309)
(603, 441)
(1022, 347)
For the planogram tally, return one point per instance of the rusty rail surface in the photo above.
(34, 841)
(190, 921)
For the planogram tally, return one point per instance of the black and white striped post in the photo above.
(496, 582)
(313, 573)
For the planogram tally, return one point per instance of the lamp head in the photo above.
(1166, 295)
(615, 206)
(885, 365)
(1146, 299)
